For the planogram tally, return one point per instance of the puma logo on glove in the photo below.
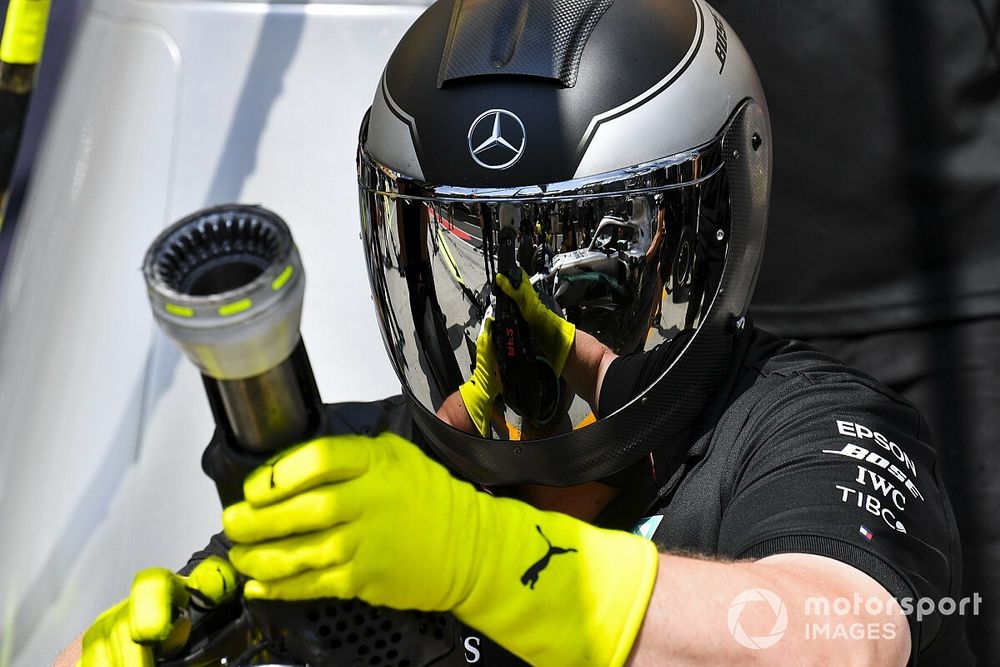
(530, 577)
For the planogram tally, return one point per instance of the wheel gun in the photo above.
(530, 385)
(226, 284)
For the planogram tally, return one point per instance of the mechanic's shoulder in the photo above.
(779, 361)
(790, 379)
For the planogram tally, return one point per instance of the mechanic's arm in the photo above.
(454, 412)
(469, 409)
(586, 366)
(653, 252)
(688, 618)
(336, 517)
(574, 354)
(71, 654)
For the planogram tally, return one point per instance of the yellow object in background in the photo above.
(24, 31)
(20, 51)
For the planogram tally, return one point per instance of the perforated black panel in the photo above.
(350, 632)
(543, 38)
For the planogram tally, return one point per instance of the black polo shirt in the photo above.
(800, 455)
(804, 455)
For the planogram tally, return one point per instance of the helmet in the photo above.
(623, 149)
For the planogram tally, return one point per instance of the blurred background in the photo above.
(883, 248)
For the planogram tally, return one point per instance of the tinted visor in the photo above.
(626, 257)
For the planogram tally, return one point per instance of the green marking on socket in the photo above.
(280, 281)
(180, 311)
(235, 307)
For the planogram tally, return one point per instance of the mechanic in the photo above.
(760, 477)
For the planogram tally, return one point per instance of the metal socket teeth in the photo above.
(219, 250)
(226, 284)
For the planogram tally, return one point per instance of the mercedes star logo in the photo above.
(496, 139)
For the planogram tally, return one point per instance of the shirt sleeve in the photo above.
(631, 374)
(219, 546)
(841, 468)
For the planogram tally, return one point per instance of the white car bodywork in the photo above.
(633, 234)
(602, 254)
(166, 106)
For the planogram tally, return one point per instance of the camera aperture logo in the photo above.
(757, 596)
(856, 618)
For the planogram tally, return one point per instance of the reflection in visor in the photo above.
(633, 262)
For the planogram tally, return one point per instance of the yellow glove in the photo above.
(127, 633)
(553, 333)
(482, 388)
(375, 518)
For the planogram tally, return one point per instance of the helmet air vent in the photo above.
(539, 38)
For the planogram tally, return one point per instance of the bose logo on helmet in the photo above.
(496, 139)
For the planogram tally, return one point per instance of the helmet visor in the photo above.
(631, 258)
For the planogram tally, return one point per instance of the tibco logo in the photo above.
(780, 618)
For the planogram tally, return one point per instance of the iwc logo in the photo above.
(496, 139)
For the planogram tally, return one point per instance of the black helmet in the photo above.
(623, 148)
